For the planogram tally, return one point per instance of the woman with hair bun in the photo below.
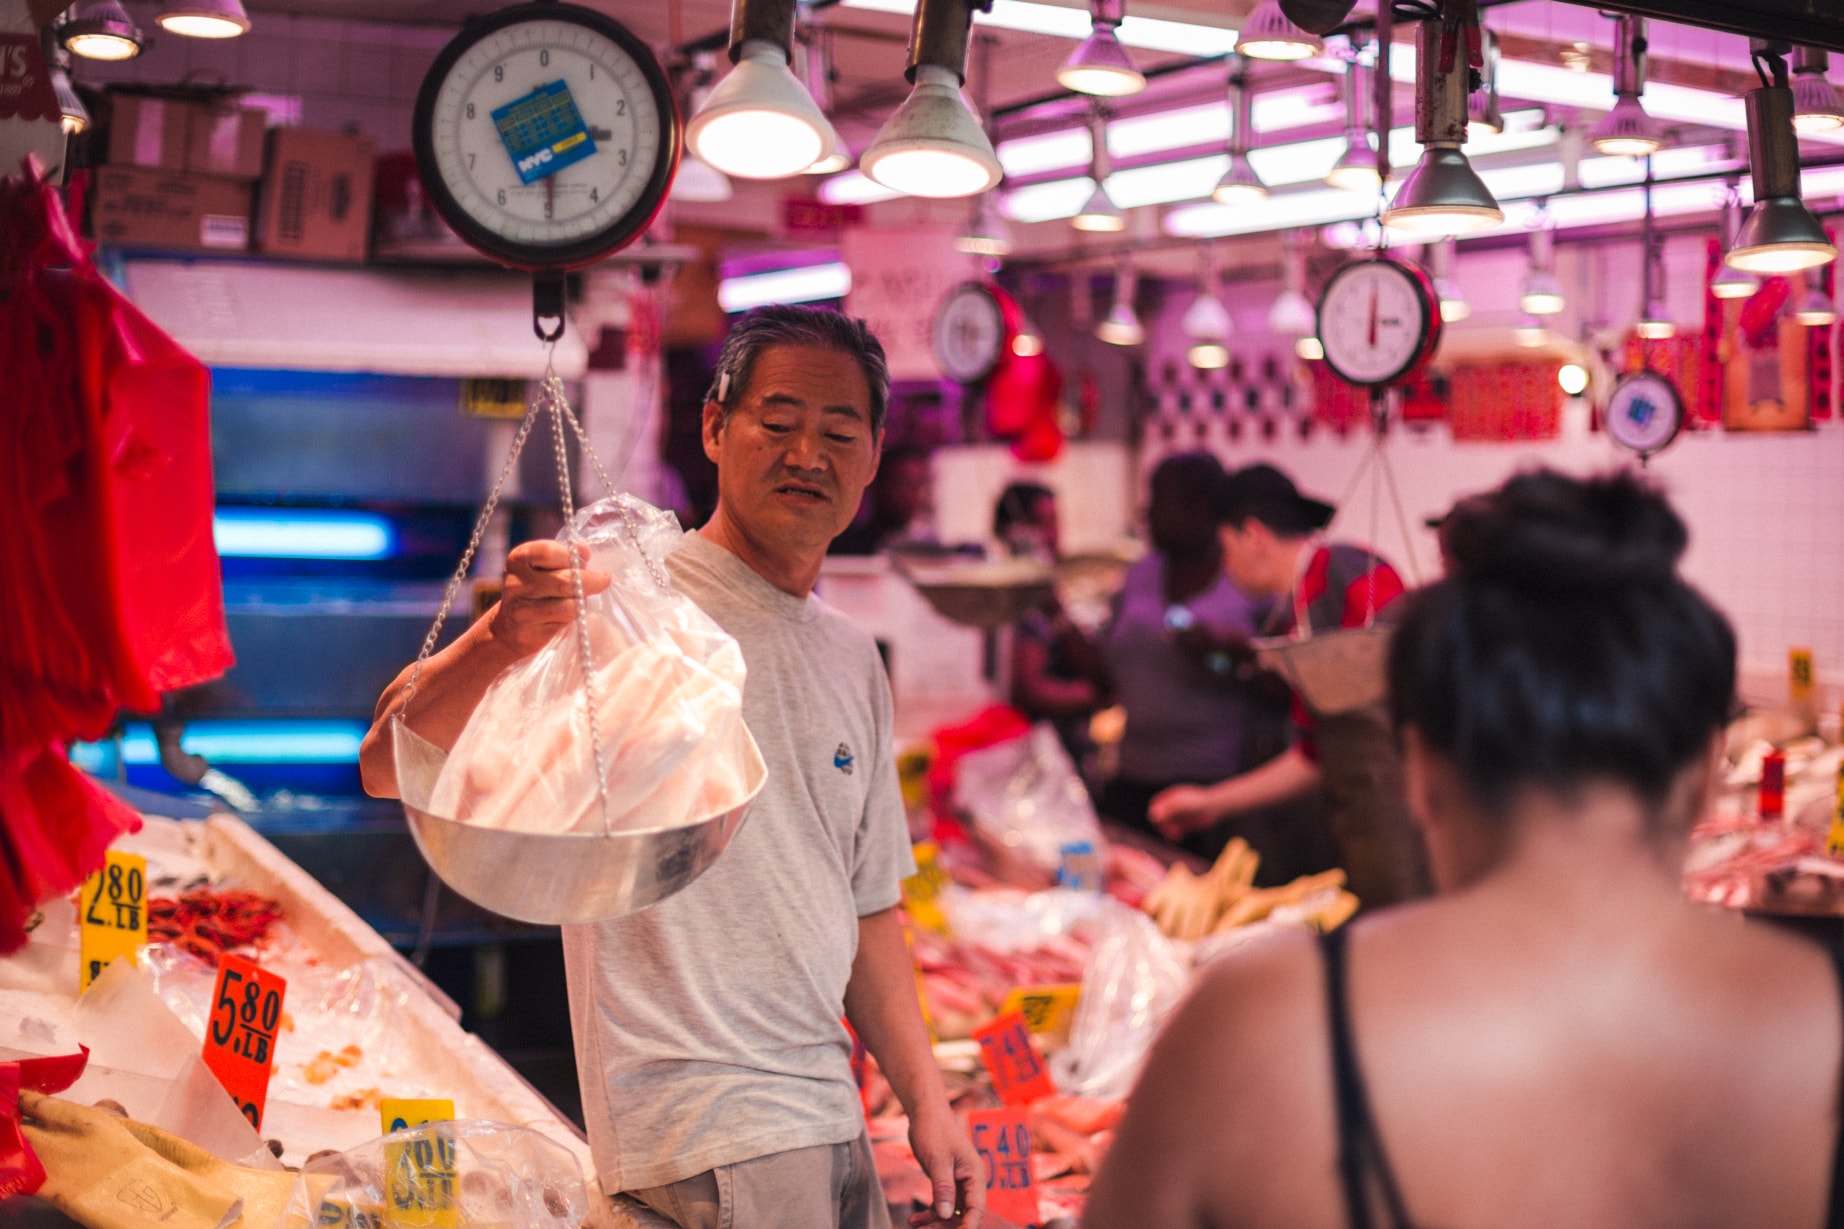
(1558, 1038)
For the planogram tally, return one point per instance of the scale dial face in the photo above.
(969, 333)
(1644, 412)
(546, 135)
(1378, 320)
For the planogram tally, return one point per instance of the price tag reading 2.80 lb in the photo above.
(114, 914)
(1017, 1070)
(246, 1010)
(1003, 1140)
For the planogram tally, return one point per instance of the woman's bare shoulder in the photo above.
(1232, 1121)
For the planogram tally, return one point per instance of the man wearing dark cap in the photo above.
(1272, 547)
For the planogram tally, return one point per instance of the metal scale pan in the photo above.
(559, 878)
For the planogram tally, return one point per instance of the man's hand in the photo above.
(947, 1157)
(1181, 810)
(538, 598)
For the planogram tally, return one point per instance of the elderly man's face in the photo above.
(795, 455)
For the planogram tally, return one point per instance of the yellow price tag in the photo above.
(112, 912)
(420, 1182)
(1048, 1010)
(1835, 843)
(922, 890)
(1800, 679)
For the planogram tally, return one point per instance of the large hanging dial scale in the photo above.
(1379, 321)
(546, 136)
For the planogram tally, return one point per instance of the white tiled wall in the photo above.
(1766, 515)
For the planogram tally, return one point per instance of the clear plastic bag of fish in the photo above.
(443, 1175)
(1135, 977)
(653, 676)
(1025, 795)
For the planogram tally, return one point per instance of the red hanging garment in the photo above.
(109, 583)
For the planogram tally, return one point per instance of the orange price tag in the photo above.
(246, 1010)
(1003, 1139)
(1017, 1069)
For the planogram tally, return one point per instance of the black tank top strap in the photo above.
(1835, 1219)
(1361, 1160)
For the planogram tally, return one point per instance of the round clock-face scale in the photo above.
(1644, 412)
(546, 135)
(1378, 321)
(969, 334)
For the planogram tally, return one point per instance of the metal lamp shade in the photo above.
(698, 181)
(1100, 213)
(1443, 195)
(1816, 310)
(72, 114)
(1121, 327)
(1269, 34)
(1240, 184)
(1542, 294)
(1815, 104)
(101, 30)
(1101, 66)
(987, 234)
(932, 146)
(204, 18)
(1627, 131)
(1356, 168)
(1733, 284)
(1780, 235)
(759, 123)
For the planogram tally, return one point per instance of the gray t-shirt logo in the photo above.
(842, 759)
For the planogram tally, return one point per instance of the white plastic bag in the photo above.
(1024, 794)
(668, 689)
(1134, 978)
(467, 1173)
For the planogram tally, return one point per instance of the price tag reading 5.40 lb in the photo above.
(114, 914)
(1003, 1140)
(1017, 1070)
(246, 1009)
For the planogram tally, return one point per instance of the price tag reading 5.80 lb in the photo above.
(1017, 1070)
(114, 914)
(1003, 1140)
(246, 1010)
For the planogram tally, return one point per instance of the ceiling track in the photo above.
(1099, 257)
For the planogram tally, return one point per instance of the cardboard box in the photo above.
(316, 196)
(142, 207)
(149, 132)
(226, 140)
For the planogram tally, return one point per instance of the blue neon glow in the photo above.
(236, 742)
(302, 533)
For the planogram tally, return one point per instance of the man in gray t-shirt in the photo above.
(714, 1064)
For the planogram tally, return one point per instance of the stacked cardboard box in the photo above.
(184, 175)
(316, 196)
(180, 174)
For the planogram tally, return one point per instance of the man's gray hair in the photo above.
(785, 324)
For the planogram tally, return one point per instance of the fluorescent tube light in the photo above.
(1150, 33)
(807, 284)
(301, 533)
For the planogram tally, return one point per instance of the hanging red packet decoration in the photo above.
(1017, 1069)
(246, 1010)
(21, 1172)
(1002, 1137)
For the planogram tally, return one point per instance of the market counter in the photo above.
(360, 1022)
